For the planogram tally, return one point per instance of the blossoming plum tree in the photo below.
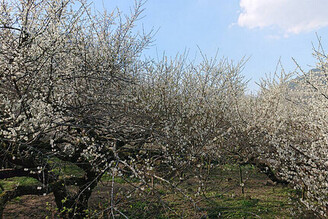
(64, 95)
(287, 128)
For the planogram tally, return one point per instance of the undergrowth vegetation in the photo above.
(95, 130)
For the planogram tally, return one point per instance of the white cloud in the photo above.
(291, 16)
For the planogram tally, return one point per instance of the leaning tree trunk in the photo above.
(75, 206)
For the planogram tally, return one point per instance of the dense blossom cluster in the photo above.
(288, 120)
(191, 107)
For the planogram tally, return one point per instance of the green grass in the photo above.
(145, 209)
(15, 181)
(273, 206)
(119, 179)
(65, 169)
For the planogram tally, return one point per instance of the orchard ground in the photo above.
(221, 198)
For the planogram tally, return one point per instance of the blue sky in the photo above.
(264, 31)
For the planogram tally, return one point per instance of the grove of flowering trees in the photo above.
(74, 90)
